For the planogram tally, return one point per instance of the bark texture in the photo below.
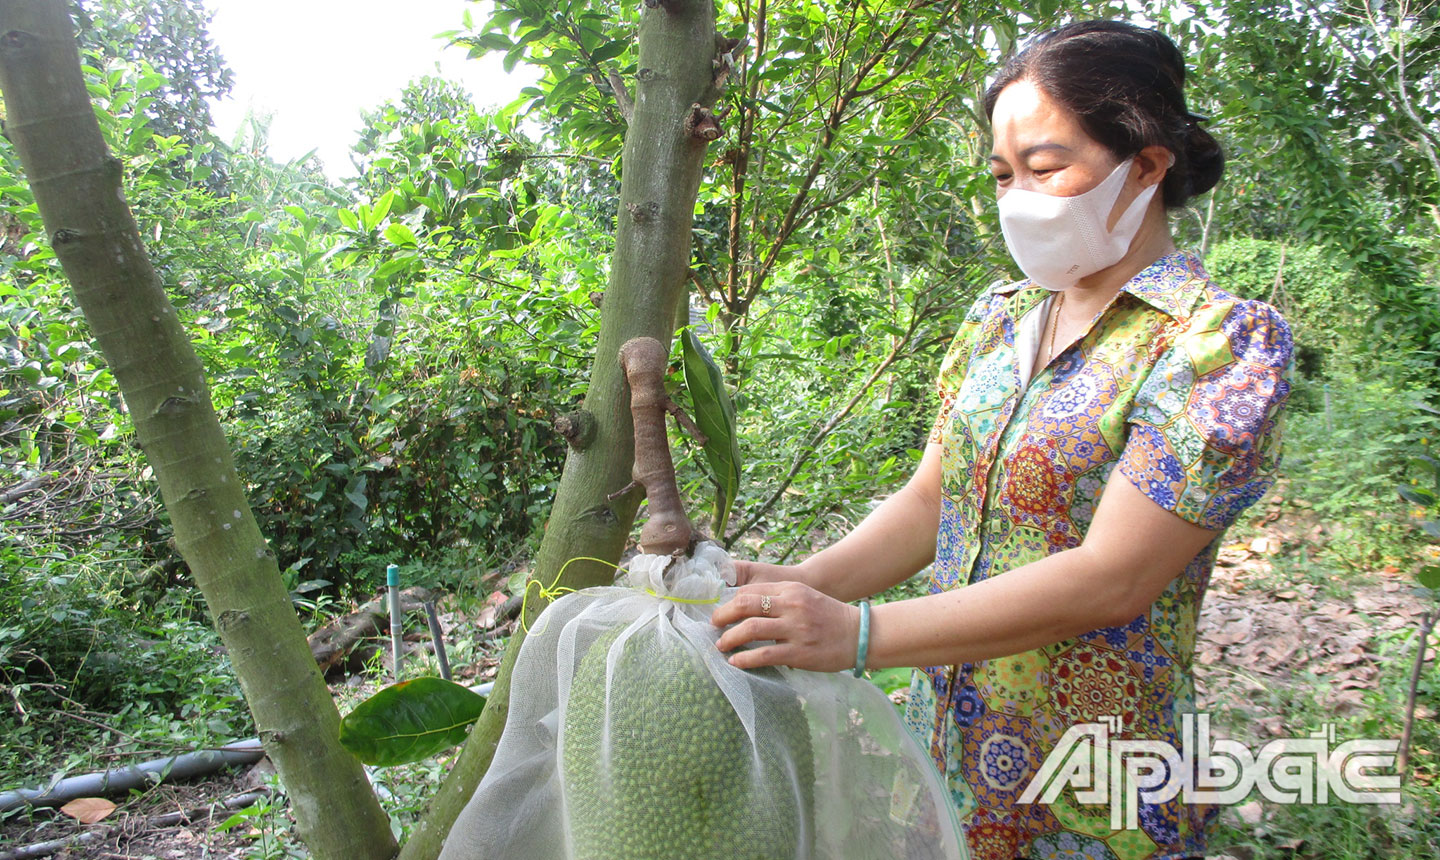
(78, 189)
(662, 162)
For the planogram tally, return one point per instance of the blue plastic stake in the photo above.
(392, 583)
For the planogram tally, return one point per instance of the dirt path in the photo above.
(1267, 643)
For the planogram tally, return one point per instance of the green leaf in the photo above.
(410, 721)
(389, 401)
(512, 57)
(399, 234)
(608, 51)
(375, 214)
(891, 680)
(396, 264)
(355, 492)
(1429, 576)
(1417, 496)
(715, 415)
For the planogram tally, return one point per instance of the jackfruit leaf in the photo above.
(715, 416)
(410, 721)
(1429, 576)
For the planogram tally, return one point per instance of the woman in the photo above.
(1103, 422)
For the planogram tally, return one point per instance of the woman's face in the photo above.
(1041, 147)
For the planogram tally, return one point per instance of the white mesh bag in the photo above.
(629, 737)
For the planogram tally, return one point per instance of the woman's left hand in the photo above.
(810, 630)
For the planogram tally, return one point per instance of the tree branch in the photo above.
(828, 132)
(812, 445)
(622, 95)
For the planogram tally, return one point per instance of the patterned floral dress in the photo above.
(1177, 384)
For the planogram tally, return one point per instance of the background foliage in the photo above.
(388, 352)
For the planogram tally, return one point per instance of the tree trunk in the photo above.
(662, 163)
(78, 189)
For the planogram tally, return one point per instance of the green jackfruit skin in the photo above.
(678, 784)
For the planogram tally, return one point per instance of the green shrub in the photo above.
(80, 651)
(1348, 442)
(1325, 303)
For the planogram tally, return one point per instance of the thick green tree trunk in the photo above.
(662, 165)
(77, 186)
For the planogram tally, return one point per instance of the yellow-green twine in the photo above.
(554, 590)
(715, 599)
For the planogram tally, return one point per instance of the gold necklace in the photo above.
(1055, 326)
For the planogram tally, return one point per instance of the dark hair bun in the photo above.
(1126, 85)
(1205, 161)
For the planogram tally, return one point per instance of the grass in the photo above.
(1333, 831)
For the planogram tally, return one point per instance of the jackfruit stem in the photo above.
(668, 530)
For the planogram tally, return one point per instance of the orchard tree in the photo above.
(77, 187)
(809, 198)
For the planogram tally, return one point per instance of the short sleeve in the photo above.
(1204, 435)
(957, 361)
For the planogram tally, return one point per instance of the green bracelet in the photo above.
(862, 647)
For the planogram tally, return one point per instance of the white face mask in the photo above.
(1056, 241)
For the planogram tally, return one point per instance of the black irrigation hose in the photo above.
(139, 775)
(122, 779)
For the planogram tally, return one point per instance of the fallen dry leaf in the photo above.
(88, 810)
(1346, 701)
(1274, 726)
(1354, 655)
(1233, 554)
(1234, 632)
(1372, 604)
(1336, 611)
(486, 618)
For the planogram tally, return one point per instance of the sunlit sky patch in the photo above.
(316, 64)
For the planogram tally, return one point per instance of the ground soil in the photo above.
(129, 832)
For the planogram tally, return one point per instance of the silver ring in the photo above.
(764, 604)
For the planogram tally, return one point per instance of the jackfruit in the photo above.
(680, 777)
